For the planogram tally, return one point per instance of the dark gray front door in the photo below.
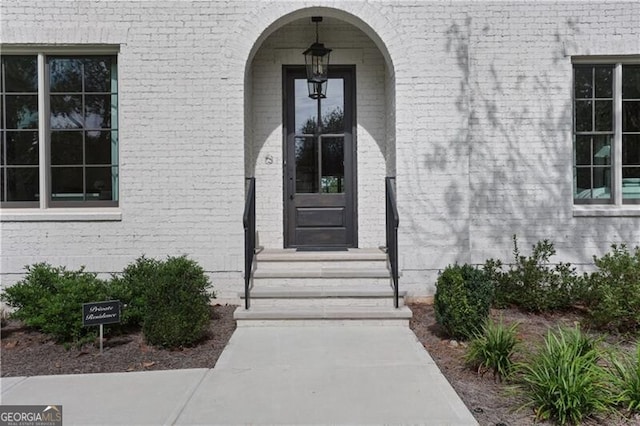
(319, 173)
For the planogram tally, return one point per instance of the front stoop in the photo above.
(311, 288)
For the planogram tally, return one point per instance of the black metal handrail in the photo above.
(392, 221)
(249, 222)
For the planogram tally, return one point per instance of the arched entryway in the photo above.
(276, 152)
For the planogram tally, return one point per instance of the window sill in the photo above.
(627, 210)
(61, 215)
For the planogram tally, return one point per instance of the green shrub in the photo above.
(176, 303)
(614, 293)
(563, 380)
(130, 286)
(492, 349)
(462, 300)
(531, 283)
(625, 376)
(50, 299)
(500, 281)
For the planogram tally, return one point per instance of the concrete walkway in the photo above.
(267, 375)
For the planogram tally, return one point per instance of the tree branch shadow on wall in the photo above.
(520, 162)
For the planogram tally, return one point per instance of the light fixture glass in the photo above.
(316, 59)
(317, 90)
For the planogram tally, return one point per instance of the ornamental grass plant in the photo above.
(625, 377)
(492, 349)
(563, 380)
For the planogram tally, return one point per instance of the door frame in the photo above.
(350, 102)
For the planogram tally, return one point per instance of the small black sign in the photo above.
(97, 313)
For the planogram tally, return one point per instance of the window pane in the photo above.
(19, 121)
(631, 182)
(99, 183)
(66, 112)
(602, 150)
(66, 148)
(306, 152)
(630, 176)
(98, 147)
(21, 73)
(333, 165)
(65, 75)
(582, 82)
(583, 116)
(97, 74)
(21, 112)
(66, 184)
(22, 148)
(583, 150)
(601, 182)
(631, 116)
(22, 184)
(89, 98)
(583, 182)
(630, 150)
(604, 116)
(604, 82)
(630, 82)
(601, 178)
(98, 111)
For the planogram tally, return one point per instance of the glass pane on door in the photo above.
(306, 154)
(332, 107)
(306, 109)
(332, 168)
(319, 151)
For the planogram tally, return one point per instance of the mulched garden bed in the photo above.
(27, 352)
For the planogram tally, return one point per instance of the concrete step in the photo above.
(321, 272)
(291, 255)
(317, 265)
(276, 282)
(287, 259)
(297, 288)
(314, 297)
(287, 267)
(275, 316)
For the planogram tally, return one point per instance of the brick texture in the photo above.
(468, 103)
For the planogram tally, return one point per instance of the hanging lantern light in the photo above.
(316, 59)
(317, 90)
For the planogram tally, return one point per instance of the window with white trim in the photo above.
(606, 133)
(58, 131)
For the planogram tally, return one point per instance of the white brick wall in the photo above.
(521, 87)
(469, 103)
